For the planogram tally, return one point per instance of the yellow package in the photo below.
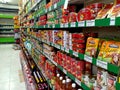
(102, 51)
(91, 46)
(112, 53)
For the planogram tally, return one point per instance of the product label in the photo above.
(73, 24)
(61, 25)
(53, 25)
(50, 9)
(67, 50)
(66, 25)
(102, 64)
(75, 54)
(88, 58)
(54, 63)
(55, 6)
(62, 48)
(46, 10)
(81, 24)
(78, 81)
(64, 71)
(90, 23)
(112, 21)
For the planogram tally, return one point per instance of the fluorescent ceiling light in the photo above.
(4, 1)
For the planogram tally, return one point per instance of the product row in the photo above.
(72, 14)
(85, 43)
(95, 78)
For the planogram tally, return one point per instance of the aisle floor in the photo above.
(11, 77)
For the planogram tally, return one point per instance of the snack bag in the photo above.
(112, 53)
(115, 10)
(104, 12)
(111, 80)
(102, 51)
(91, 46)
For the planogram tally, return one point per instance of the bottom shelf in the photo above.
(7, 40)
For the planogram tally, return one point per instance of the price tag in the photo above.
(73, 24)
(67, 50)
(48, 42)
(90, 23)
(57, 46)
(78, 81)
(50, 9)
(44, 26)
(112, 21)
(66, 25)
(64, 71)
(53, 25)
(61, 25)
(46, 10)
(88, 58)
(62, 48)
(55, 6)
(102, 64)
(81, 24)
(54, 63)
(75, 54)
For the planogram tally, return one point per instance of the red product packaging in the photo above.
(88, 67)
(72, 17)
(80, 65)
(75, 45)
(78, 41)
(73, 66)
(64, 19)
(78, 35)
(68, 63)
(79, 75)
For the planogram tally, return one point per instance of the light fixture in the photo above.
(4, 1)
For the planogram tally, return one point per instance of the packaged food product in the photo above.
(115, 10)
(72, 17)
(112, 53)
(111, 81)
(102, 51)
(102, 77)
(91, 46)
(89, 12)
(104, 12)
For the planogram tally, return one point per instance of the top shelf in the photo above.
(87, 23)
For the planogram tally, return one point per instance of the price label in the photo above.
(112, 21)
(73, 24)
(51, 44)
(53, 25)
(57, 46)
(48, 42)
(64, 71)
(50, 9)
(78, 81)
(46, 10)
(55, 6)
(54, 63)
(61, 25)
(90, 23)
(102, 64)
(62, 48)
(81, 24)
(44, 26)
(75, 54)
(88, 58)
(66, 25)
(67, 50)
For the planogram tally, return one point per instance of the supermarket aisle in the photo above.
(10, 69)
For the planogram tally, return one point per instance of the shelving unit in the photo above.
(6, 33)
(26, 31)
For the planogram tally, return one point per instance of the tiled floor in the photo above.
(10, 68)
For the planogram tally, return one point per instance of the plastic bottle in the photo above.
(68, 84)
(73, 86)
(63, 86)
(60, 82)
